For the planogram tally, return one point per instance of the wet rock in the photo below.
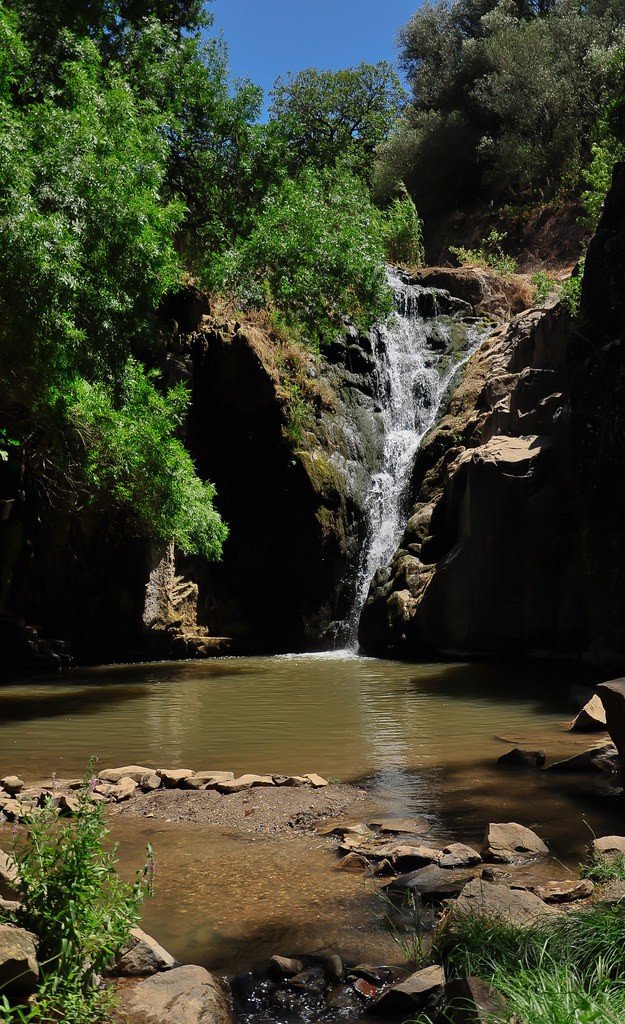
(19, 971)
(284, 967)
(184, 995)
(598, 759)
(354, 863)
(407, 825)
(591, 718)
(316, 781)
(422, 989)
(343, 997)
(173, 777)
(473, 1001)
(11, 784)
(457, 855)
(405, 857)
(520, 758)
(565, 891)
(365, 988)
(142, 955)
(344, 828)
(509, 842)
(491, 900)
(432, 881)
(334, 967)
(311, 979)
(245, 782)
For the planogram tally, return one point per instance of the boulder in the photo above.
(284, 967)
(244, 782)
(19, 971)
(11, 784)
(355, 863)
(491, 900)
(591, 718)
(473, 1001)
(598, 759)
(612, 696)
(142, 955)
(608, 847)
(172, 777)
(509, 842)
(565, 891)
(457, 855)
(520, 758)
(184, 995)
(422, 989)
(431, 881)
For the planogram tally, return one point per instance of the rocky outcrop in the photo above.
(516, 543)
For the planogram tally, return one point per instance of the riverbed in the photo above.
(420, 740)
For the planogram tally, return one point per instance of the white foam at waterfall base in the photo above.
(411, 389)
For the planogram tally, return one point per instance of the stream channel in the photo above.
(421, 739)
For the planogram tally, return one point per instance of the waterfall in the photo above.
(417, 358)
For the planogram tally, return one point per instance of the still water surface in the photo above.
(422, 739)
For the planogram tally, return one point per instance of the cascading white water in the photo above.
(412, 383)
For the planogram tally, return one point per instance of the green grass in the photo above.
(605, 869)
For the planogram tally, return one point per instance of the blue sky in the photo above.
(267, 38)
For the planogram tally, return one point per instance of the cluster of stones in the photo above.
(117, 784)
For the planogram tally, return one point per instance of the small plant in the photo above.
(73, 899)
(490, 254)
(604, 869)
(571, 293)
(405, 924)
(543, 287)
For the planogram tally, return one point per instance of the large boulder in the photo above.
(19, 971)
(480, 898)
(184, 995)
(509, 842)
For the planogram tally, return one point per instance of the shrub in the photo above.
(75, 902)
(403, 233)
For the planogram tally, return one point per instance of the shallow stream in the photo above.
(421, 739)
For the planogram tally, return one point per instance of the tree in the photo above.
(326, 115)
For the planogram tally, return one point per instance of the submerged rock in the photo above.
(520, 758)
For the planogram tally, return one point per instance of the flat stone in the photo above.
(207, 779)
(184, 995)
(591, 718)
(473, 1001)
(67, 805)
(12, 784)
(408, 825)
(422, 989)
(291, 781)
(404, 857)
(365, 988)
(597, 759)
(244, 782)
(142, 955)
(19, 971)
(285, 966)
(173, 777)
(131, 771)
(509, 842)
(565, 891)
(316, 781)
(491, 900)
(518, 757)
(123, 790)
(431, 881)
(457, 855)
(345, 828)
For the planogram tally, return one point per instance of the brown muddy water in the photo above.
(421, 739)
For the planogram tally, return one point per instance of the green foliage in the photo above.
(75, 902)
(490, 254)
(543, 286)
(315, 254)
(133, 461)
(571, 291)
(326, 115)
(504, 99)
(403, 232)
(604, 869)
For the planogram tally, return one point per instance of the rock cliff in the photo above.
(516, 543)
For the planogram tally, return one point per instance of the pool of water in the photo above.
(422, 739)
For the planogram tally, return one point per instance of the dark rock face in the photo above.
(516, 543)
